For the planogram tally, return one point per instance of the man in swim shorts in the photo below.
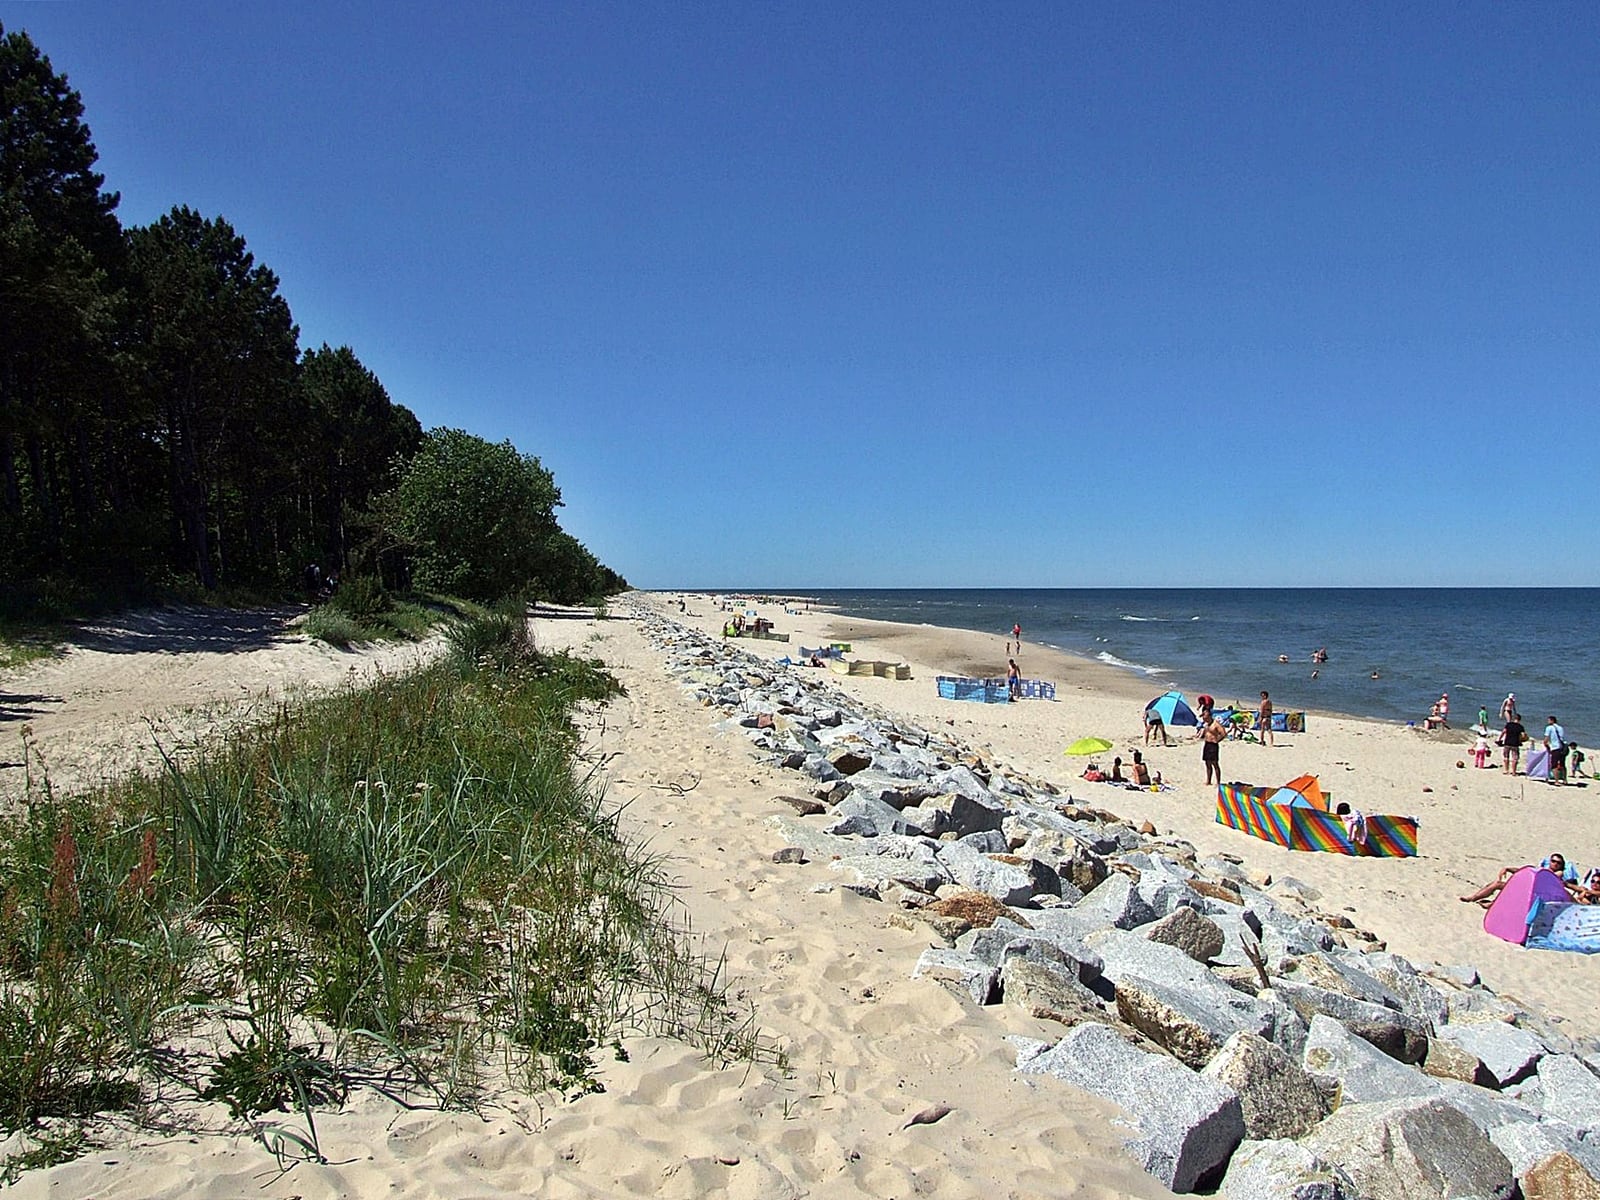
(1264, 716)
(1211, 735)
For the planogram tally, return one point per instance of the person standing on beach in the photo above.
(1211, 735)
(1016, 636)
(1013, 680)
(1508, 709)
(1511, 738)
(1555, 740)
(1264, 716)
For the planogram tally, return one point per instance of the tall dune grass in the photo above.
(407, 885)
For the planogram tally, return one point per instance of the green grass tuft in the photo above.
(411, 882)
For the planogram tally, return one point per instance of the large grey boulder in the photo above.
(1005, 882)
(1421, 998)
(1197, 936)
(1335, 1057)
(964, 815)
(1283, 1170)
(1446, 1060)
(1005, 940)
(966, 972)
(1190, 1025)
(1174, 1000)
(1119, 902)
(860, 815)
(1397, 1034)
(1509, 1054)
(1570, 1090)
(1278, 1099)
(887, 859)
(1044, 991)
(1527, 1144)
(897, 793)
(1335, 974)
(1186, 1126)
(1412, 1150)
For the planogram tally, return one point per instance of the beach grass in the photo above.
(411, 885)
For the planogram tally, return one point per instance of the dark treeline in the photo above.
(161, 430)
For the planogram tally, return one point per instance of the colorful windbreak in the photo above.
(1264, 813)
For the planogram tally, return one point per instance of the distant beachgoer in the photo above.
(1374, 675)
(1555, 740)
(1314, 674)
(1480, 751)
(1283, 658)
(1483, 716)
(1116, 771)
(1016, 636)
(1205, 707)
(1264, 715)
(1508, 709)
(1013, 680)
(1211, 735)
(1434, 719)
(1154, 727)
(1444, 709)
(1511, 738)
(1575, 760)
(1355, 823)
(1556, 864)
(1140, 772)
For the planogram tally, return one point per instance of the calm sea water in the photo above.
(1476, 643)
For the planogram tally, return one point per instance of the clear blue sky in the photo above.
(932, 294)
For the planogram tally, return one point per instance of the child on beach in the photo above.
(1480, 749)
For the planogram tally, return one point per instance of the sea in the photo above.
(1477, 644)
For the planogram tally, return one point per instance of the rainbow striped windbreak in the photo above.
(1301, 827)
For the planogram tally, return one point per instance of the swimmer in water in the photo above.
(1283, 658)
(1374, 675)
(1314, 674)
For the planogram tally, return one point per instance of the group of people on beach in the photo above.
(1584, 889)
(1565, 758)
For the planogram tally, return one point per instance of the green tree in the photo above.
(217, 349)
(360, 443)
(475, 516)
(60, 399)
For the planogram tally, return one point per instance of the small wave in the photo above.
(1110, 659)
(1131, 617)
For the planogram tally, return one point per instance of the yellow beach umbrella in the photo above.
(1089, 745)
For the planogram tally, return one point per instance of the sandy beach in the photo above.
(1473, 821)
(864, 1047)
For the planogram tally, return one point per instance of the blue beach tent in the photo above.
(1172, 710)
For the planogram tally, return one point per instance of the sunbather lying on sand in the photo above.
(1556, 864)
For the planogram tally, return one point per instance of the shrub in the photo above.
(335, 628)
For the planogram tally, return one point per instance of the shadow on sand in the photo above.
(20, 706)
(189, 630)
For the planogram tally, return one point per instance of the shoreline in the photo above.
(1473, 821)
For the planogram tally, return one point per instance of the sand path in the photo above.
(865, 1046)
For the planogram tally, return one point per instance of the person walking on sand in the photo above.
(1211, 735)
(1264, 716)
(1016, 636)
(1508, 709)
(1013, 680)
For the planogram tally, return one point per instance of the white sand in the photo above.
(828, 975)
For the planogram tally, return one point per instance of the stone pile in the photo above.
(1258, 1046)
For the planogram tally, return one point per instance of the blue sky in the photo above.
(932, 295)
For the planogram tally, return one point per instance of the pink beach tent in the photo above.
(1507, 917)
